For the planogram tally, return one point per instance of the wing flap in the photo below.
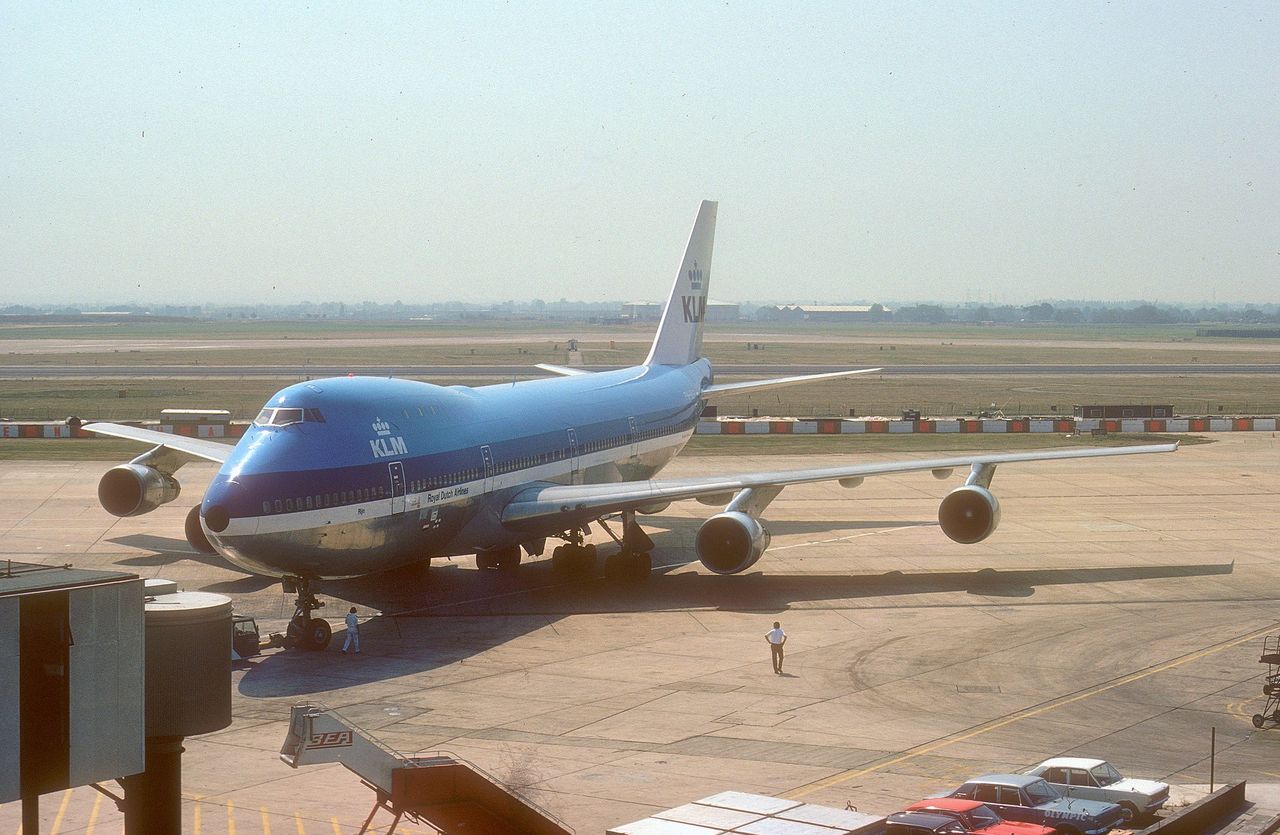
(571, 502)
(195, 447)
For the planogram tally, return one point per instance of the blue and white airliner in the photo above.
(354, 475)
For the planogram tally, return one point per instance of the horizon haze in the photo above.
(994, 153)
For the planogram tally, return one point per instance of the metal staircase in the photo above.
(439, 790)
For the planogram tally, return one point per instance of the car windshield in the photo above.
(1105, 774)
(981, 816)
(1041, 792)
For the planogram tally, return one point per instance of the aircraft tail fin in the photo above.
(679, 337)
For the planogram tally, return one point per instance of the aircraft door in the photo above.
(633, 436)
(487, 455)
(573, 456)
(396, 470)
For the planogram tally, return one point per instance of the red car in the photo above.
(976, 816)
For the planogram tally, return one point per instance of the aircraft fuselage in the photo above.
(352, 475)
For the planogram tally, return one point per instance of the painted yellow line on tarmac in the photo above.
(231, 817)
(62, 812)
(93, 815)
(195, 815)
(1029, 713)
(336, 829)
(266, 820)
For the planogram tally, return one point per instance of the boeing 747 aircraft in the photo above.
(355, 475)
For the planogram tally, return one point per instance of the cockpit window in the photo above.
(284, 417)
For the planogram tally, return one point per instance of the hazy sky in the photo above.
(1003, 151)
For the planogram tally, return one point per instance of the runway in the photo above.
(1116, 613)
(27, 372)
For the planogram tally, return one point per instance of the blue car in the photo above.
(1026, 797)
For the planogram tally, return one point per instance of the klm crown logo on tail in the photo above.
(695, 278)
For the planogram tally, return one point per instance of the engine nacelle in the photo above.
(731, 542)
(650, 509)
(134, 489)
(969, 514)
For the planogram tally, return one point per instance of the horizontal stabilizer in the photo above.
(778, 382)
(562, 370)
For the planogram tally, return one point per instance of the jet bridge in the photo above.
(439, 790)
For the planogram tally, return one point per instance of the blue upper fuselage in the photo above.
(337, 436)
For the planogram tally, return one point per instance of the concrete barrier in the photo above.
(1204, 815)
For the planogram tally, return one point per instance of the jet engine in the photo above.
(650, 509)
(731, 542)
(969, 514)
(135, 489)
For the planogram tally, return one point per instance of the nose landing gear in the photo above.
(304, 631)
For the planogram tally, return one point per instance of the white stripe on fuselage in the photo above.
(362, 512)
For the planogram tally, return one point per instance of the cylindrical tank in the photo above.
(188, 650)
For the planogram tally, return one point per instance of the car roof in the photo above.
(1018, 780)
(921, 819)
(955, 804)
(1071, 762)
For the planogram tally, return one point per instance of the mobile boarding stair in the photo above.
(438, 790)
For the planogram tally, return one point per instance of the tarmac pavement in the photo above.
(1118, 612)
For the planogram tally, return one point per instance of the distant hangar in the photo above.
(824, 313)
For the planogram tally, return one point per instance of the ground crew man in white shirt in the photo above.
(776, 638)
(353, 630)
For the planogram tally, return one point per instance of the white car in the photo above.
(1098, 780)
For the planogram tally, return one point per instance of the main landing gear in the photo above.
(504, 559)
(574, 557)
(632, 564)
(304, 631)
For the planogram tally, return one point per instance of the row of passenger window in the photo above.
(323, 500)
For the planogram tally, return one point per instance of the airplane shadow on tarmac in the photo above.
(485, 609)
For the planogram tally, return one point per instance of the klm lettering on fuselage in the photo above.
(382, 447)
(695, 307)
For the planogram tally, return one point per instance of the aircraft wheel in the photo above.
(1266, 689)
(318, 634)
(1258, 720)
(486, 560)
(508, 559)
(628, 568)
(195, 534)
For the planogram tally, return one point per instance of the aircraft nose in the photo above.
(219, 504)
(216, 518)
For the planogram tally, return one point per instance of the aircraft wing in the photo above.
(195, 447)
(711, 392)
(537, 504)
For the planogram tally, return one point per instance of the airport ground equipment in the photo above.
(732, 812)
(1271, 683)
(439, 790)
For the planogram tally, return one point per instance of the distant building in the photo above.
(1108, 412)
(652, 311)
(824, 313)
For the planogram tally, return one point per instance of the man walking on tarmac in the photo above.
(776, 638)
(353, 630)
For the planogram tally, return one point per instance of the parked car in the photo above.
(1024, 797)
(1098, 780)
(975, 816)
(922, 823)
